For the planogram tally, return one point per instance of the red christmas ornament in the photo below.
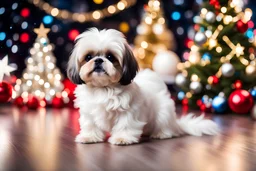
(57, 102)
(5, 92)
(199, 102)
(203, 107)
(69, 87)
(240, 101)
(215, 3)
(33, 102)
(184, 102)
(213, 80)
(238, 84)
(241, 26)
(19, 102)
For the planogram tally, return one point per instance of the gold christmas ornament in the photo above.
(250, 70)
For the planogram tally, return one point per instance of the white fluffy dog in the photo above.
(104, 66)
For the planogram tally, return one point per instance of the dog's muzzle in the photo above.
(98, 65)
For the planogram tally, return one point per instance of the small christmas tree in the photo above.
(222, 58)
(41, 79)
(153, 35)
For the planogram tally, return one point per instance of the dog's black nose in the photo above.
(98, 61)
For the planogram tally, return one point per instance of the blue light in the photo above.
(24, 25)
(14, 6)
(202, 29)
(181, 95)
(48, 19)
(206, 57)
(178, 2)
(176, 15)
(2, 36)
(249, 33)
(2, 10)
(9, 43)
(253, 93)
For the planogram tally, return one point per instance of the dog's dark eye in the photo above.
(88, 57)
(110, 57)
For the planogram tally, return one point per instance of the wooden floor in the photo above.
(44, 141)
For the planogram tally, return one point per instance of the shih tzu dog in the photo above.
(111, 99)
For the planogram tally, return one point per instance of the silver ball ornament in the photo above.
(180, 80)
(253, 112)
(210, 17)
(227, 70)
(195, 87)
(200, 38)
(250, 70)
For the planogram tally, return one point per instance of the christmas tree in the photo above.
(153, 36)
(41, 79)
(222, 58)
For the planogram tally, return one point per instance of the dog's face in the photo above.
(102, 58)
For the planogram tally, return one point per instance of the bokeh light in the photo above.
(72, 34)
(14, 6)
(9, 43)
(176, 15)
(24, 37)
(2, 36)
(47, 19)
(24, 25)
(14, 49)
(25, 12)
(124, 27)
(98, 1)
(2, 10)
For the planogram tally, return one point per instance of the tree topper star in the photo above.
(41, 31)
(5, 68)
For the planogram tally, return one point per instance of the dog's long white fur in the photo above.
(151, 83)
(127, 112)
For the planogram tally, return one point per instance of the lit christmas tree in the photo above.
(41, 80)
(221, 64)
(153, 36)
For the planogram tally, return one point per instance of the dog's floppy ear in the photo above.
(130, 66)
(72, 71)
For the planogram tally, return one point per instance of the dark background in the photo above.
(11, 20)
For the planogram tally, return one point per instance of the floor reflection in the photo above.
(44, 140)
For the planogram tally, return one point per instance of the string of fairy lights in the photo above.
(86, 16)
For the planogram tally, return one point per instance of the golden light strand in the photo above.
(212, 41)
(237, 50)
(86, 16)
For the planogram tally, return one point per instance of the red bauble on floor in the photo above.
(5, 92)
(33, 102)
(240, 101)
(57, 102)
(19, 102)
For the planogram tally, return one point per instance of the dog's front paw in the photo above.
(85, 139)
(123, 140)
